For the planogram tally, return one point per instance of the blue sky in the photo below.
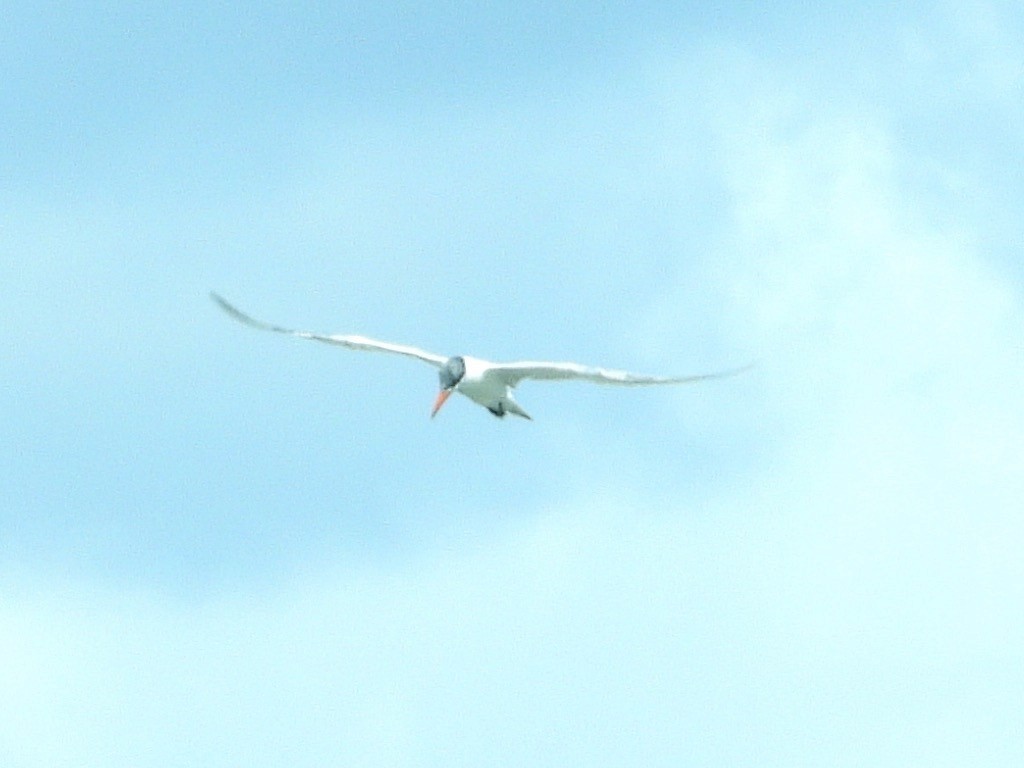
(222, 547)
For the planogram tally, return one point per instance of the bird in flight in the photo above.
(486, 383)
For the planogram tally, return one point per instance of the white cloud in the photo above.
(893, 363)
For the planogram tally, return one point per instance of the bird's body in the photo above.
(483, 383)
(486, 383)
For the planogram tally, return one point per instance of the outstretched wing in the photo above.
(513, 373)
(350, 342)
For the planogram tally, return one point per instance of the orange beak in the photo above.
(443, 395)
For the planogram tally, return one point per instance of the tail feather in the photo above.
(511, 406)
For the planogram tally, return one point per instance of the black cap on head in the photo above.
(451, 372)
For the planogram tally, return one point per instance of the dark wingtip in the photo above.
(223, 303)
(742, 369)
(239, 315)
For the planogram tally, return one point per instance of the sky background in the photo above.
(220, 547)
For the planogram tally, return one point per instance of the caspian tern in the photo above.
(489, 384)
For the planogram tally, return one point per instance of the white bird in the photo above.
(489, 384)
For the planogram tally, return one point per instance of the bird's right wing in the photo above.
(350, 342)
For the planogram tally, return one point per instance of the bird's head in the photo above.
(450, 375)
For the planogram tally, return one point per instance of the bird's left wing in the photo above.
(513, 373)
(351, 342)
